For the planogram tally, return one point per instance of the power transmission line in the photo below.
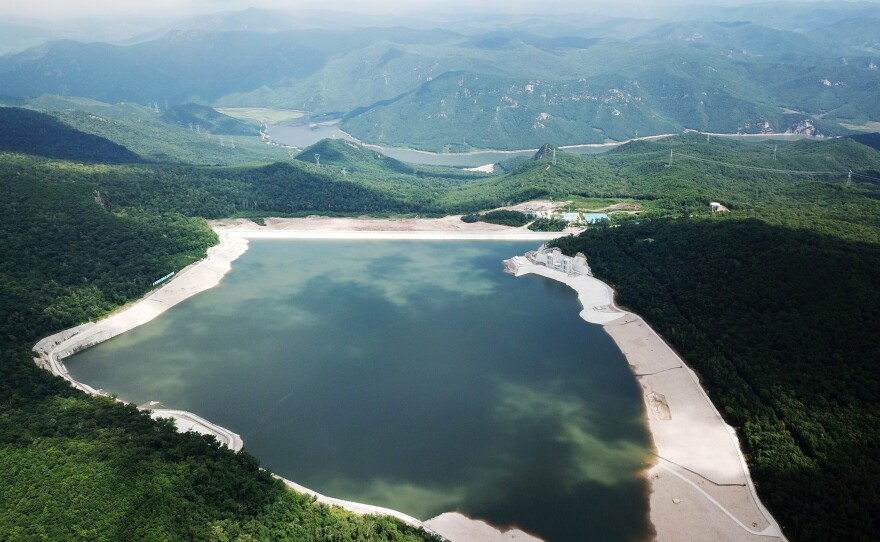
(863, 176)
(771, 170)
(848, 174)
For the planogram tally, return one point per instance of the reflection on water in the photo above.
(412, 375)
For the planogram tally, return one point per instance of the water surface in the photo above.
(301, 136)
(412, 375)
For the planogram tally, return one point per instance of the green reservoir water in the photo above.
(408, 374)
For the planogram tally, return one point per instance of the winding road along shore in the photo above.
(701, 488)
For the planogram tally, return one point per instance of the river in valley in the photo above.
(303, 134)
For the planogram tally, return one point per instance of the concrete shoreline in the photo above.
(700, 483)
(198, 277)
(207, 273)
(701, 489)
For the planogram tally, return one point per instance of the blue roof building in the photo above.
(591, 218)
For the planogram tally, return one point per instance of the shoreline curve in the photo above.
(700, 484)
(701, 488)
(208, 272)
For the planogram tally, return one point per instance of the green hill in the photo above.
(645, 88)
(155, 137)
(871, 140)
(779, 322)
(209, 119)
(508, 89)
(774, 303)
(78, 467)
(176, 68)
(40, 134)
(339, 152)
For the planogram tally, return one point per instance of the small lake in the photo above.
(413, 375)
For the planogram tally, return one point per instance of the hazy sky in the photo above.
(63, 9)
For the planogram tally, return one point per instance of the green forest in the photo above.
(75, 467)
(775, 304)
(502, 217)
(780, 323)
(463, 86)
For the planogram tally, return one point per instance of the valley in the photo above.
(715, 165)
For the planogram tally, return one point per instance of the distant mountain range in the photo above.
(439, 89)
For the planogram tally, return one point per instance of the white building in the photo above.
(571, 217)
(553, 258)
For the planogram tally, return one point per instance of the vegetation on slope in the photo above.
(548, 224)
(780, 322)
(353, 180)
(156, 140)
(773, 304)
(77, 467)
(40, 134)
(504, 218)
(150, 133)
(587, 81)
(191, 115)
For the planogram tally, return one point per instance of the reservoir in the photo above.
(414, 375)
(301, 135)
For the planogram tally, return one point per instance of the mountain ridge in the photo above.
(602, 85)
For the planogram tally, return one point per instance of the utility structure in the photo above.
(554, 157)
(670, 159)
(318, 159)
(774, 150)
(344, 173)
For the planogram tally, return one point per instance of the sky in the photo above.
(66, 9)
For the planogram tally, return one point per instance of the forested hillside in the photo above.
(74, 467)
(192, 115)
(774, 303)
(587, 81)
(147, 133)
(37, 133)
(355, 180)
(780, 322)
(112, 155)
(188, 134)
